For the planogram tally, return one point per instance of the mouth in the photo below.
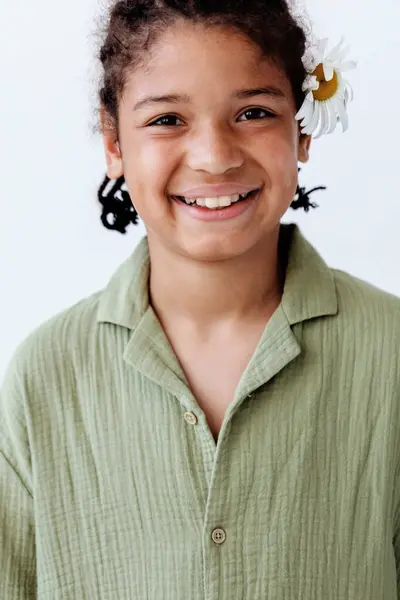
(220, 209)
(216, 203)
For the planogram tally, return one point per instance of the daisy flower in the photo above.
(327, 91)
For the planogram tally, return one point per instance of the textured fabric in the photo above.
(110, 491)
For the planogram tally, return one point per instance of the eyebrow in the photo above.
(269, 91)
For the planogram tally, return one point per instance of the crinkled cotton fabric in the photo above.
(112, 486)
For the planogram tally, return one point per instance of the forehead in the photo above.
(188, 54)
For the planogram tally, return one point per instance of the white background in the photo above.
(54, 249)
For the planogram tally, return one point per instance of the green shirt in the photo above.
(112, 486)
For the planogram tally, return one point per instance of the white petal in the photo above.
(343, 53)
(328, 71)
(313, 122)
(307, 119)
(345, 98)
(349, 91)
(345, 91)
(317, 117)
(305, 110)
(303, 122)
(310, 97)
(343, 117)
(322, 46)
(348, 65)
(333, 54)
(350, 88)
(317, 133)
(301, 112)
(332, 116)
(326, 118)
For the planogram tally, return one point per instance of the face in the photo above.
(209, 135)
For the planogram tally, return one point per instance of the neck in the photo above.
(205, 296)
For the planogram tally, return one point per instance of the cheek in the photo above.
(146, 161)
(149, 168)
(148, 172)
(282, 168)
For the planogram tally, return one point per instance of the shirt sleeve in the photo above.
(17, 543)
(17, 526)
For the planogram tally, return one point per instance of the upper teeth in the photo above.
(217, 201)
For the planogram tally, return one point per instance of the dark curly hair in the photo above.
(129, 28)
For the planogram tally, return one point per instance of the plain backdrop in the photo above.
(54, 250)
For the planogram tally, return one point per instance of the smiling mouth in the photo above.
(219, 202)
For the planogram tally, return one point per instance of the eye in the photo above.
(163, 121)
(250, 111)
(168, 120)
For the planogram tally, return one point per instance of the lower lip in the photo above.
(203, 213)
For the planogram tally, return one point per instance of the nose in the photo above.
(214, 150)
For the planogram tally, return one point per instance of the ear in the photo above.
(304, 147)
(111, 148)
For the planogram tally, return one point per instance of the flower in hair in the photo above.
(327, 91)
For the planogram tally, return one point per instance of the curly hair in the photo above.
(130, 27)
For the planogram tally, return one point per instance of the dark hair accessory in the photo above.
(113, 195)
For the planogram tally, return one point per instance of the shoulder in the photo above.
(46, 370)
(366, 309)
(358, 292)
(50, 351)
(66, 330)
(41, 374)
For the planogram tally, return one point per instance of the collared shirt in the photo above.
(112, 486)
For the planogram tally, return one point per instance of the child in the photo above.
(221, 421)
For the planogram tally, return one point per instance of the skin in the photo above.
(209, 280)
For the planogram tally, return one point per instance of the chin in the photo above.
(216, 248)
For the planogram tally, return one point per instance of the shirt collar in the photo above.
(309, 287)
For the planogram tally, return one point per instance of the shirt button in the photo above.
(218, 536)
(190, 418)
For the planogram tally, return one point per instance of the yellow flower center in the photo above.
(327, 89)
